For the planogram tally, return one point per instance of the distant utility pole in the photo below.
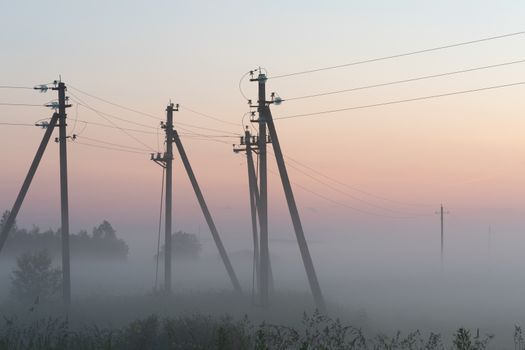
(58, 118)
(441, 213)
(166, 161)
(265, 121)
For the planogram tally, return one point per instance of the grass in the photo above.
(211, 320)
(316, 331)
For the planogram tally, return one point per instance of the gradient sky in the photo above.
(467, 151)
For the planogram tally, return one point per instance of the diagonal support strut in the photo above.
(27, 182)
(206, 212)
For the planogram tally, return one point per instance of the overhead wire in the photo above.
(16, 124)
(16, 87)
(334, 188)
(220, 120)
(467, 70)
(149, 114)
(22, 104)
(411, 53)
(240, 85)
(112, 144)
(115, 104)
(114, 116)
(356, 188)
(400, 101)
(204, 128)
(111, 122)
(338, 203)
(109, 148)
(114, 127)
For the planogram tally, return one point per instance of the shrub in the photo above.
(34, 277)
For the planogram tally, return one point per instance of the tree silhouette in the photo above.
(34, 277)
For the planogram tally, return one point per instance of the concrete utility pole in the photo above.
(58, 118)
(254, 201)
(251, 144)
(206, 212)
(265, 120)
(166, 161)
(264, 267)
(64, 199)
(169, 197)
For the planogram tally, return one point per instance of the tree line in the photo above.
(101, 243)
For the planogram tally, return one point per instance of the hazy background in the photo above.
(465, 151)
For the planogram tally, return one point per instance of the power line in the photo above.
(108, 148)
(118, 127)
(116, 104)
(16, 87)
(114, 127)
(403, 81)
(240, 85)
(22, 104)
(304, 188)
(206, 115)
(115, 117)
(401, 101)
(399, 55)
(354, 197)
(114, 144)
(205, 128)
(150, 115)
(207, 139)
(16, 124)
(355, 188)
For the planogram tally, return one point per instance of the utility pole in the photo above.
(64, 199)
(264, 267)
(58, 118)
(166, 161)
(442, 213)
(169, 197)
(251, 144)
(265, 120)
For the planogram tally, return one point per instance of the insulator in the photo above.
(53, 105)
(41, 88)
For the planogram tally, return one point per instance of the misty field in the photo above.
(408, 294)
